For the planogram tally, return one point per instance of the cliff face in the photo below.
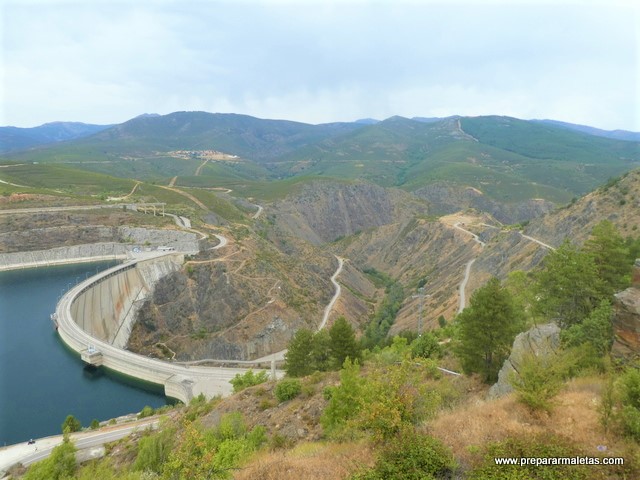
(626, 320)
(29, 232)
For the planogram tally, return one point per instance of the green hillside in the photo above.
(508, 159)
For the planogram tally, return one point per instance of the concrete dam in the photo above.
(106, 309)
(95, 318)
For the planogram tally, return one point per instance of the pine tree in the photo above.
(298, 357)
(486, 330)
(568, 288)
(343, 343)
(611, 256)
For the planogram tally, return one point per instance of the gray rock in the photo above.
(542, 340)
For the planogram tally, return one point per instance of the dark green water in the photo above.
(41, 381)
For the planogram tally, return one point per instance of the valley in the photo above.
(287, 227)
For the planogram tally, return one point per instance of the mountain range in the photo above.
(505, 159)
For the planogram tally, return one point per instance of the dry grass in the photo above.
(309, 461)
(574, 417)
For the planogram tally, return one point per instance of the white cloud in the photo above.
(320, 61)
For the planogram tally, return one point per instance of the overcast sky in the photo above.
(321, 61)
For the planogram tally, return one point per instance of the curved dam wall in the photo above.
(94, 319)
(106, 309)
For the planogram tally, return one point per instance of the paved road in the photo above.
(467, 271)
(28, 454)
(329, 307)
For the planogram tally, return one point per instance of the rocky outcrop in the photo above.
(539, 341)
(626, 321)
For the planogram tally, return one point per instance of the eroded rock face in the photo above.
(626, 321)
(542, 340)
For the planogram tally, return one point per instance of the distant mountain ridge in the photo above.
(16, 138)
(614, 134)
(508, 160)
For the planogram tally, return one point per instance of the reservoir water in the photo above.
(41, 381)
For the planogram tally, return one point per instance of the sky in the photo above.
(317, 61)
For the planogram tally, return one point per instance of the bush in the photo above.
(147, 411)
(630, 420)
(154, 450)
(426, 346)
(71, 424)
(248, 379)
(288, 389)
(629, 417)
(538, 381)
(412, 456)
(94, 424)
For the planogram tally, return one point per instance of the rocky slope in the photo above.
(447, 198)
(617, 201)
(323, 212)
(243, 301)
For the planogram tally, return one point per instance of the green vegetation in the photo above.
(411, 456)
(288, 389)
(248, 379)
(60, 465)
(147, 411)
(539, 447)
(71, 424)
(486, 330)
(378, 328)
(308, 352)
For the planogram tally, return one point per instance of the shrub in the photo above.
(630, 419)
(426, 346)
(412, 456)
(60, 465)
(147, 411)
(71, 424)
(154, 450)
(248, 379)
(539, 380)
(94, 424)
(630, 388)
(288, 389)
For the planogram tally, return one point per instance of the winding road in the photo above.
(329, 307)
(467, 271)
